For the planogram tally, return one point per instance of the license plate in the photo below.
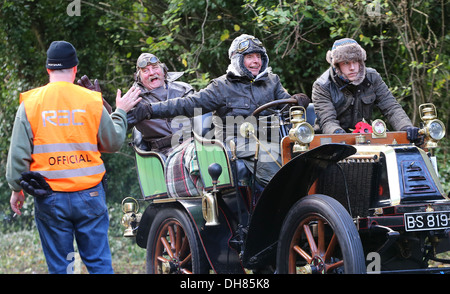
(423, 221)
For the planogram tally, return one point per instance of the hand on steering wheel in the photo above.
(274, 103)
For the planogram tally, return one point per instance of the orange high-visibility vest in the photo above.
(64, 119)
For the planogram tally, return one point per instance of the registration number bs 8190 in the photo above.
(423, 221)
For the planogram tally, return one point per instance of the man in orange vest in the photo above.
(58, 134)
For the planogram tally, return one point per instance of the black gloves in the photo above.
(86, 83)
(142, 111)
(302, 99)
(34, 184)
(412, 134)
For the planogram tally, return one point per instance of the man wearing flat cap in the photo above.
(348, 91)
(59, 133)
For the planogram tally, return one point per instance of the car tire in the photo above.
(173, 245)
(319, 236)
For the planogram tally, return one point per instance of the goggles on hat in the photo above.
(148, 60)
(244, 44)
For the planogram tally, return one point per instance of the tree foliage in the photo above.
(406, 41)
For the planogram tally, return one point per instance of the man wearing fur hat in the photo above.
(247, 84)
(157, 84)
(347, 92)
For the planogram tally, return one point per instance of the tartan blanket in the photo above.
(182, 172)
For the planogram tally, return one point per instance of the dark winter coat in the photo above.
(227, 95)
(157, 133)
(230, 97)
(341, 106)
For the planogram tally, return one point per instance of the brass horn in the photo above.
(209, 200)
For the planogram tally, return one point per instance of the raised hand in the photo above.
(129, 100)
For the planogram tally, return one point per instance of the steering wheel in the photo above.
(274, 103)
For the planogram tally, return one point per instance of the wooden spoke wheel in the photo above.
(173, 246)
(317, 251)
(319, 236)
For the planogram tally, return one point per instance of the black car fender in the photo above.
(289, 184)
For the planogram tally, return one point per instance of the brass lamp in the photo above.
(433, 129)
(302, 133)
(131, 217)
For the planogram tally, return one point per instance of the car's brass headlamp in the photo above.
(433, 128)
(302, 133)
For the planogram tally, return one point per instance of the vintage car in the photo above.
(340, 203)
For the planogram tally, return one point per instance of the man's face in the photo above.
(152, 76)
(350, 69)
(253, 63)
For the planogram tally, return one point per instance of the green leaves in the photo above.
(225, 35)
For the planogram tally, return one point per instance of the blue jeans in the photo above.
(64, 215)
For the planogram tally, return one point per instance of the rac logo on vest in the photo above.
(61, 117)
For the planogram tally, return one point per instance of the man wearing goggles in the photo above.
(245, 44)
(158, 84)
(248, 57)
(150, 72)
(147, 59)
(247, 84)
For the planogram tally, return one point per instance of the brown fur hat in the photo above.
(347, 50)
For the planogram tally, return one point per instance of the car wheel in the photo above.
(319, 236)
(173, 246)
